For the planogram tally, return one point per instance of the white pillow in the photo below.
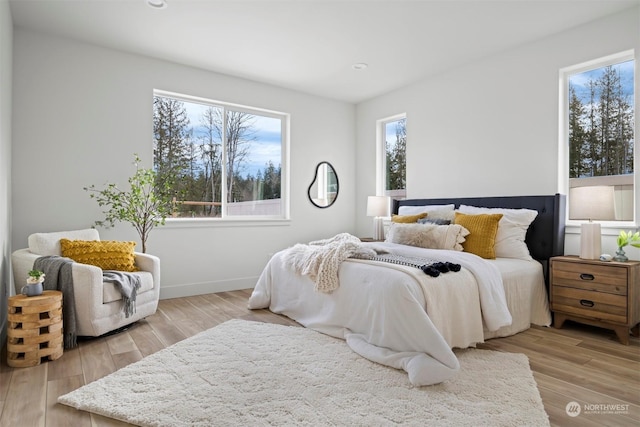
(415, 210)
(512, 230)
(49, 243)
(429, 236)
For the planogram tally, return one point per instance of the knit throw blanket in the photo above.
(58, 271)
(59, 278)
(321, 259)
(128, 284)
(428, 266)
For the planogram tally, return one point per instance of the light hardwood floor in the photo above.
(577, 363)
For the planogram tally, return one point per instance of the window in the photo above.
(598, 132)
(392, 157)
(220, 160)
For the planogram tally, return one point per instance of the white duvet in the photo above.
(380, 309)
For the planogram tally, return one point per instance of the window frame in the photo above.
(225, 218)
(381, 152)
(563, 135)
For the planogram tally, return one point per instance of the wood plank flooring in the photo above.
(577, 363)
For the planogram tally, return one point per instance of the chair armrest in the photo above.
(150, 263)
(22, 261)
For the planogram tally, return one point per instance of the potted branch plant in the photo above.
(624, 239)
(145, 205)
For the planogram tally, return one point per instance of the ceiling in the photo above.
(311, 45)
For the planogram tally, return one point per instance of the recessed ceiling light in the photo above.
(157, 4)
(359, 66)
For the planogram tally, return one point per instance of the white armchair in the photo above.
(99, 306)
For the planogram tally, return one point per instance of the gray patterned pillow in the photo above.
(436, 221)
(429, 236)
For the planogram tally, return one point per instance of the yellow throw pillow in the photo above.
(482, 233)
(407, 219)
(106, 254)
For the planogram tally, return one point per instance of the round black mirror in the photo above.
(323, 190)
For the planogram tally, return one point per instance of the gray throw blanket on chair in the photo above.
(128, 284)
(59, 278)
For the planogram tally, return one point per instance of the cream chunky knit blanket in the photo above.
(321, 259)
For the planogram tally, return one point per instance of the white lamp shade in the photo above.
(595, 202)
(378, 206)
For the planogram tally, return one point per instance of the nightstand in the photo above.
(604, 294)
(35, 329)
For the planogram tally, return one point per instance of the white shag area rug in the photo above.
(243, 373)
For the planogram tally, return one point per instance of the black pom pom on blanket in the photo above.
(441, 266)
(453, 267)
(430, 270)
(436, 268)
(429, 267)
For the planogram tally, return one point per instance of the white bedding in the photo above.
(526, 295)
(381, 308)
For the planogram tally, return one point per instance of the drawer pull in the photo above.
(586, 276)
(586, 303)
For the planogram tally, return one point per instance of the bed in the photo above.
(395, 314)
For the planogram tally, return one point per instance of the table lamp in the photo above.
(378, 207)
(591, 203)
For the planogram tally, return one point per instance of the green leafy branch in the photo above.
(629, 238)
(146, 205)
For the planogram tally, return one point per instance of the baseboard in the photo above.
(190, 289)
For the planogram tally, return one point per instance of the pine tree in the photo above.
(171, 149)
(577, 136)
(601, 128)
(211, 151)
(397, 158)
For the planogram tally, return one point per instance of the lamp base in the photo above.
(590, 241)
(378, 228)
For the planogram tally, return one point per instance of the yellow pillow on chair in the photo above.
(483, 229)
(106, 254)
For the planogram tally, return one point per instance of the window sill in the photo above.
(221, 223)
(608, 228)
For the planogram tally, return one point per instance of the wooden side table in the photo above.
(604, 294)
(35, 329)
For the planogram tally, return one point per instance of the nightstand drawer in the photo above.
(602, 278)
(591, 304)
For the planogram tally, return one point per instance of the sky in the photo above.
(579, 81)
(266, 147)
(390, 134)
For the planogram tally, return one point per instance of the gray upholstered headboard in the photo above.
(545, 237)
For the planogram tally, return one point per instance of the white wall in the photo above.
(81, 111)
(490, 128)
(6, 49)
